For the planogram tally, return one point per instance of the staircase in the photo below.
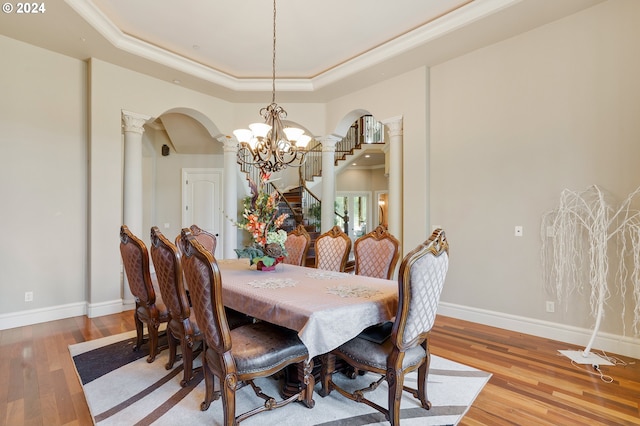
(303, 208)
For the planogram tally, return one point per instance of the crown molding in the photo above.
(445, 24)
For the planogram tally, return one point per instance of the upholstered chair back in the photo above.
(376, 254)
(135, 258)
(332, 250)
(421, 278)
(166, 261)
(297, 246)
(202, 273)
(207, 239)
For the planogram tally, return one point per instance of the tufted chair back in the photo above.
(135, 258)
(207, 239)
(166, 261)
(421, 278)
(376, 254)
(150, 307)
(183, 327)
(332, 250)
(297, 246)
(202, 273)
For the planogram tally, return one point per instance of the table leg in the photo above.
(327, 368)
(297, 376)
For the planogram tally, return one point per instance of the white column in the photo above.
(395, 176)
(230, 202)
(132, 124)
(328, 182)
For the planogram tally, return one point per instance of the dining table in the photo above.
(326, 308)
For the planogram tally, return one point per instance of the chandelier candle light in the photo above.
(269, 145)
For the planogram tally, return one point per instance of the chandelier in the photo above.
(270, 146)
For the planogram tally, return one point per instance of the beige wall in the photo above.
(43, 187)
(514, 124)
(361, 180)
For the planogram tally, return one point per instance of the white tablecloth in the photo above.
(326, 308)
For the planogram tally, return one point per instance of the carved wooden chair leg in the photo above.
(173, 349)
(153, 341)
(422, 386)
(229, 400)
(139, 330)
(395, 379)
(210, 393)
(187, 362)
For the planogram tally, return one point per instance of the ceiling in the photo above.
(324, 48)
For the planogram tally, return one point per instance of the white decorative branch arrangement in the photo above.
(577, 239)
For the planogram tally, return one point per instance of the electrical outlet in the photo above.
(28, 296)
(518, 231)
(551, 306)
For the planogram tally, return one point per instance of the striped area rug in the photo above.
(121, 388)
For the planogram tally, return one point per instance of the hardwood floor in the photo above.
(531, 384)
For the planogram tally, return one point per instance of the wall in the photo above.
(43, 213)
(514, 124)
(371, 180)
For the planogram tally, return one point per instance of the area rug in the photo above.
(121, 388)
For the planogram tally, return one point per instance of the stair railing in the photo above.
(311, 208)
(365, 130)
(313, 163)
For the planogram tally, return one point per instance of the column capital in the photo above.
(329, 143)
(229, 144)
(133, 121)
(394, 125)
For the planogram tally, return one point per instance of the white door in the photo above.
(202, 201)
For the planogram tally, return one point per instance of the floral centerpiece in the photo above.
(261, 219)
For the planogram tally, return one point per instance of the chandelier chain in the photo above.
(273, 63)
(269, 145)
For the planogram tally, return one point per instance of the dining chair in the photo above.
(297, 246)
(150, 308)
(233, 356)
(332, 250)
(207, 239)
(234, 318)
(421, 278)
(183, 327)
(376, 254)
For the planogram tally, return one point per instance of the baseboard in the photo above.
(52, 313)
(36, 316)
(610, 343)
(105, 308)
